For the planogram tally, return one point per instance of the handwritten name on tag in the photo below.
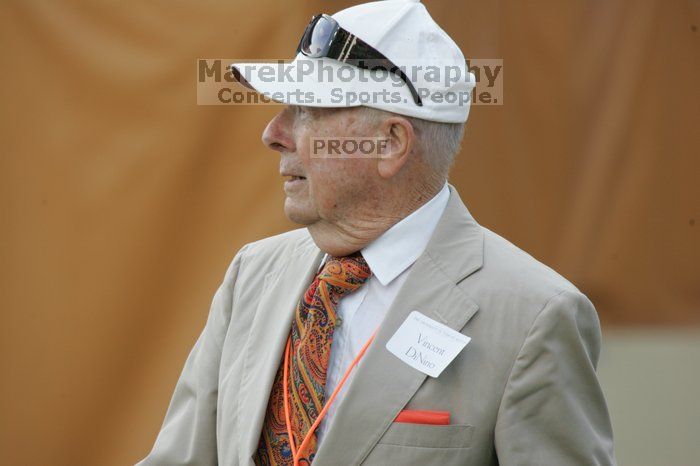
(426, 344)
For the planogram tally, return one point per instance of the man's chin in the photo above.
(299, 215)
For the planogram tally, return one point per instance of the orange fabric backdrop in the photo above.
(123, 201)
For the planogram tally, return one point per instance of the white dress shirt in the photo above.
(390, 257)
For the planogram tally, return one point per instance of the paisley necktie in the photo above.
(311, 338)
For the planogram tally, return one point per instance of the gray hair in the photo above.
(439, 142)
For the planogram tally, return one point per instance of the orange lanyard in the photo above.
(296, 452)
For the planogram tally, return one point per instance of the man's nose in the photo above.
(278, 133)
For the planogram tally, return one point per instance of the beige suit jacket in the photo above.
(523, 392)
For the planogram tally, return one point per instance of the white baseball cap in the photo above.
(405, 34)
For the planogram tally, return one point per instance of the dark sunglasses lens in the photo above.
(316, 41)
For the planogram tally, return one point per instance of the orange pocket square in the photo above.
(412, 416)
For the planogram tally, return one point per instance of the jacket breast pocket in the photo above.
(423, 444)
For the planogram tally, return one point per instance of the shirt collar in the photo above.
(399, 247)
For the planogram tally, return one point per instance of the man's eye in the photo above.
(304, 113)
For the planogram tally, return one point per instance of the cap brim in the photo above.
(324, 82)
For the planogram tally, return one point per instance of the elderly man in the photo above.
(392, 329)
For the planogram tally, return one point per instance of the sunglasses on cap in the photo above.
(324, 38)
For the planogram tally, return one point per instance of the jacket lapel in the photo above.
(382, 384)
(268, 336)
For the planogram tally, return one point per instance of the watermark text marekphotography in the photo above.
(326, 82)
(348, 147)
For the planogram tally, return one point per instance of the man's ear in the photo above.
(400, 139)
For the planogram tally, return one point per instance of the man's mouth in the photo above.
(296, 178)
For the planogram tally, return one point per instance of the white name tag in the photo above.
(425, 344)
